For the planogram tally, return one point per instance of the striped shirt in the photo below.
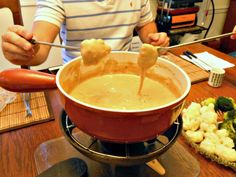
(111, 20)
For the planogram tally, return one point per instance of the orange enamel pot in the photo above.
(120, 126)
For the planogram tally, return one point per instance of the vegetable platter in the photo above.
(209, 125)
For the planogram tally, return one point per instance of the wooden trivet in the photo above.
(195, 73)
(13, 116)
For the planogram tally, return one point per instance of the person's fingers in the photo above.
(159, 39)
(21, 31)
(234, 35)
(164, 43)
(154, 36)
(13, 49)
(14, 38)
(18, 59)
(16, 55)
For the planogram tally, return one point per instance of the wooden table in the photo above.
(17, 147)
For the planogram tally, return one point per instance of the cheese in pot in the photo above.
(119, 91)
(147, 58)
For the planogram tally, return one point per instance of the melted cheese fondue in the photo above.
(147, 58)
(119, 91)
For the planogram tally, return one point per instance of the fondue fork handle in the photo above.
(26, 98)
(156, 166)
(30, 80)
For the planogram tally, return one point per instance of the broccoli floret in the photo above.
(207, 101)
(224, 104)
(231, 115)
(233, 102)
(230, 126)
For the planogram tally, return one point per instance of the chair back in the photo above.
(15, 8)
(228, 45)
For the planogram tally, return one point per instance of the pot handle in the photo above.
(24, 80)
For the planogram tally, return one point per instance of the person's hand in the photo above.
(159, 39)
(16, 47)
(234, 35)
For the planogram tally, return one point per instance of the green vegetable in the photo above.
(230, 126)
(224, 104)
(233, 102)
(207, 101)
(231, 115)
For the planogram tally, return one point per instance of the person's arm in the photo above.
(234, 31)
(149, 34)
(18, 50)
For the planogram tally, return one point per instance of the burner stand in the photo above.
(176, 161)
(120, 153)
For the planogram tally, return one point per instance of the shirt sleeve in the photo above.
(146, 14)
(51, 11)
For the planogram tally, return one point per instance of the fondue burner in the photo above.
(105, 159)
(116, 153)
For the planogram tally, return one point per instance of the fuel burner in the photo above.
(96, 158)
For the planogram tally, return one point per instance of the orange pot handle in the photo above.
(24, 80)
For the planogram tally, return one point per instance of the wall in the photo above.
(221, 8)
(28, 10)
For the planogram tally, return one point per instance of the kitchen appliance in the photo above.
(105, 159)
(175, 14)
(178, 3)
(176, 18)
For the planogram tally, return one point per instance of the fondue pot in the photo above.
(120, 126)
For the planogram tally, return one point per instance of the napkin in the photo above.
(207, 61)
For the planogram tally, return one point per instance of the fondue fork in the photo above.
(33, 41)
(26, 98)
(197, 41)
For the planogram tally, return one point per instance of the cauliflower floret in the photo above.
(195, 136)
(209, 108)
(212, 137)
(209, 117)
(208, 127)
(204, 109)
(226, 153)
(184, 110)
(227, 142)
(222, 133)
(204, 126)
(208, 145)
(192, 111)
(191, 124)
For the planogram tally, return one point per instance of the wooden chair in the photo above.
(15, 8)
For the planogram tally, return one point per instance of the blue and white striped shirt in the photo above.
(111, 20)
